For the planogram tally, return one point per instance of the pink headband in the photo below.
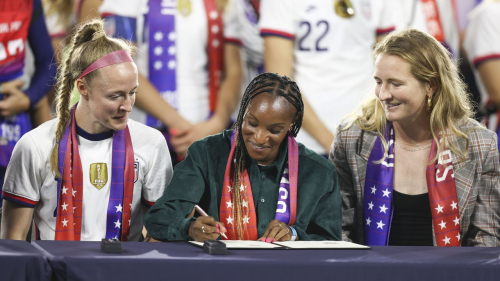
(107, 60)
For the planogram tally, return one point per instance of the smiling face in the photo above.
(109, 99)
(265, 125)
(403, 97)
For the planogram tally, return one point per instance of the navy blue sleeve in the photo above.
(38, 37)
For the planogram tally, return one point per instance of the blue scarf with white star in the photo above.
(377, 205)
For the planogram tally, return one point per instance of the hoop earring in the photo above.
(429, 103)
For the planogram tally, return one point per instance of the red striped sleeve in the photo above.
(272, 32)
(382, 31)
(18, 199)
(233, 41)
(61, 34)
(105, 14)
(479, 60)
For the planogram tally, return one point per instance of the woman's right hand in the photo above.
(206, 228)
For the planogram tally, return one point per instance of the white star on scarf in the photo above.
(456, 220)
(215, 29)
(213, 15)
(380, 225)
(117, 223)
(446, 240)
(453, 205)
(172, 64)
(158, 50)
(64, 206)
(119, 208)
(368, 221)
(65, 222)
(458, 236)
(229, 204)
(171, 36)
(373, 190)
(245, 219)
(158, 65)
(64, 189)
(242, 188)
(439, 209)
(245, 203)
(442, 224)
(383, 208)
(386, 192)
(74, 209)
(370, 206)
(158, 36)
(73, 192)
(229, 188)
(129, 222)
(229, 220)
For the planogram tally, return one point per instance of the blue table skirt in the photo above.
(175, 261)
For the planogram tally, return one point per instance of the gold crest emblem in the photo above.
(343, 8)
(184, 7)
(98, 174)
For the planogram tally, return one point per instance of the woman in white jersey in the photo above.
(84, 175)
(189, 76)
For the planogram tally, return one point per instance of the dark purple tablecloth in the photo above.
(174, 261)
(21, 261)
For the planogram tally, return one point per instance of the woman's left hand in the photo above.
(277, 231)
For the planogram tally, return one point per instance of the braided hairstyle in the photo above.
(272, 84)
(88, 44)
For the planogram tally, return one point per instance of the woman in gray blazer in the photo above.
(414, 167)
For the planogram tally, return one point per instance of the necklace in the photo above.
(412, 150)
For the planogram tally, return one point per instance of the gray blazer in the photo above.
(477, 181)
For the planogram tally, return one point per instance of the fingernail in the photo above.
(263, 239)
(273, 240)
(268, 240)
(218, 226)
(173, 132)
(218, 230)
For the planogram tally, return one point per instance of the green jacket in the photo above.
(199, 179)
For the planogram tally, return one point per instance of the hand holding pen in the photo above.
(206, 227)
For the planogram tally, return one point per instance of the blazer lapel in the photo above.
(464, 177)
(362, 155)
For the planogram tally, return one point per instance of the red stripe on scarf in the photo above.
(215, 50)
(443, 198)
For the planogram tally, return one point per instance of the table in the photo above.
(21, 261)
(182, 261)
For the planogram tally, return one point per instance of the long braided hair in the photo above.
(272, 84)
(87, 45)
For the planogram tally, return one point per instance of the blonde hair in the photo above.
(63, 8)
(430, 63)
(87, 45)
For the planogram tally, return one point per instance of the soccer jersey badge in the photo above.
(98, 174)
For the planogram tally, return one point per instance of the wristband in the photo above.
(294, 233)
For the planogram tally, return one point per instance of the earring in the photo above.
(429, 103)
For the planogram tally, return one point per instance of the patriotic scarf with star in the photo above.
(162, 52)
(286, 210)
(70, 187)
(377, 205)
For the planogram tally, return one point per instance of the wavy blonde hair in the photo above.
(431, 63)
(88, 44)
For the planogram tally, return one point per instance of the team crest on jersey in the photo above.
(98, 175)
(136, 170)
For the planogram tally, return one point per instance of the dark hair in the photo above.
(273, 84)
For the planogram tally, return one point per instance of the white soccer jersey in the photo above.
(29, 179)
(482, 42)
(191, 53)
(333, 56)
(410, 13)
